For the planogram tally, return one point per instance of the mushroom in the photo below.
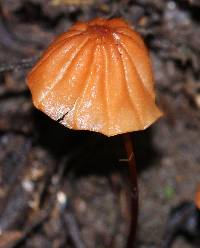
(97, 76)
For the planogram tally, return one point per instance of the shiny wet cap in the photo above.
(97, 77)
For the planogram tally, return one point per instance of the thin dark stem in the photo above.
(134, 190)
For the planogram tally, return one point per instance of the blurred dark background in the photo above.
(59, 188)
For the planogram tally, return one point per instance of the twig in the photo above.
(23, 64)
(73, 229)
(43, 216)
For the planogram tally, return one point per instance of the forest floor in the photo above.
(59, 188)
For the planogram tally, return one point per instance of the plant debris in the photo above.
(56, 187)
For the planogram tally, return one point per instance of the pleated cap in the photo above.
(97, 77)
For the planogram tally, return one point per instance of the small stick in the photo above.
(40, 219)
(134, 190)
(73, 229)
(22, 64)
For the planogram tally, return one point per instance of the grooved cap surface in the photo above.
(97, 77)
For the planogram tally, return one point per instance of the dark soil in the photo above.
(62, 188)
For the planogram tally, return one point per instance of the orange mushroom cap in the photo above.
(97, 77)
